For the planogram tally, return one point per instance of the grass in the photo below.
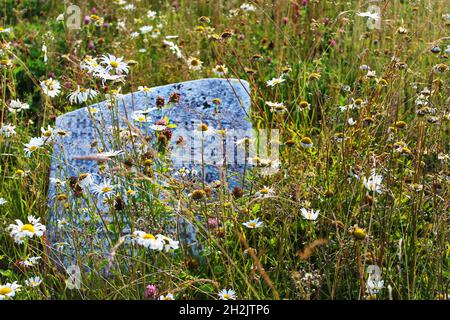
(336, 67)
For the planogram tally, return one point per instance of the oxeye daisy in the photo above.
(253, 224)
(145, 29)
(169, 296)
(373, 182)
(220, 70)
(7, 130)
(34, 144)
(81, 95)
(265, 192)
(194, 63)
(104, 189)
(51, 87)
(275, 81)
(112, 63)
(227, 294)
(138, 116)
(30, 262)
(309, 214)
(276, 106)
(148, 240)
(9, 290)
(20, 231)
(2, 201)
(16, 106)
(144, 89)
(33, 282)
(169, 244)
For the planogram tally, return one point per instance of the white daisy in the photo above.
(2, 201)
(194, 63)
(51, 87)
(145, 29)
(253, 224)
(8, 130)
(33, 282)
(9, 290)
(273, 82)
(30, 262)
(220, 70)
(34, 144)
(373, 182)
(227, 294)
(113, 63)
(16, 106)
(20, 231)
(148, 240)
(81, 95)
(104, 189)
(309, 214)
(139, 116)
(169, 296)
(169, 244)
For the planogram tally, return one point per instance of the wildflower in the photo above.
(169, 244)
(144, 89)
(20, 231)
(104, 189)
(16, 106)
(151, 14)
(169, 296)
(2, 201)
(5, 30)
(148, 240)
(194, 63)
(51, 87)
(373, 182)
(138, 116)
(151, 291)
(253, 224)
(275, 81)
(30, 262)
(198, 194)
(34, 144)
(113, 63)
(351, 122)
(8, 130)
(9, 290)
(247, 7)
(82, 95)
(265, 192)
(145, 29)
(276, 106)
(33, 282)
(370, 15)
(309, 214)
(174, 48)
(220, 70)
(227, 294)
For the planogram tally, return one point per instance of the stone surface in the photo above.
(71, 156)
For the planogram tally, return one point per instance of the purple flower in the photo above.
(87, 19)
(151, 291)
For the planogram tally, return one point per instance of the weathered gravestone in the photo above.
(197, 105)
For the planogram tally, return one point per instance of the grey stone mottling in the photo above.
(195, 107)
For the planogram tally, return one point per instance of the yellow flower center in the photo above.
(252, 224)
(194, 62)
(148, 236)
(226, 296)
(5, 290)
(264, 191)
(106, 189)
(28, 227)
(114, 64)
